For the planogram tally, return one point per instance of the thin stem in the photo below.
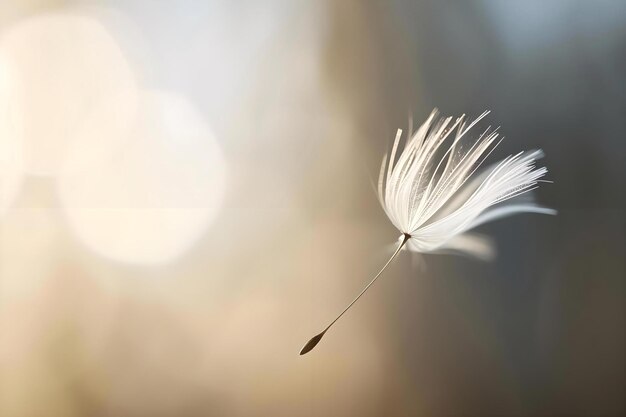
(404, 240)
(316, 339)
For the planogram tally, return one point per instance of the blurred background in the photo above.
(185, 198)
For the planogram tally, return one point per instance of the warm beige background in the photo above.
(185, 198)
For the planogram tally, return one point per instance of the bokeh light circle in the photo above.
(153, 195)
(64, 65)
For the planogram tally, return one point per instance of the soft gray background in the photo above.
(303, 98)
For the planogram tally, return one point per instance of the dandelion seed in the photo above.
(433, 195)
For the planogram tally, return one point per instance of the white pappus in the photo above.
(433, 193)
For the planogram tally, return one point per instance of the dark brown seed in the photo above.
(312, 343)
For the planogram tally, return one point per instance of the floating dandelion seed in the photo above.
(433, 195)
